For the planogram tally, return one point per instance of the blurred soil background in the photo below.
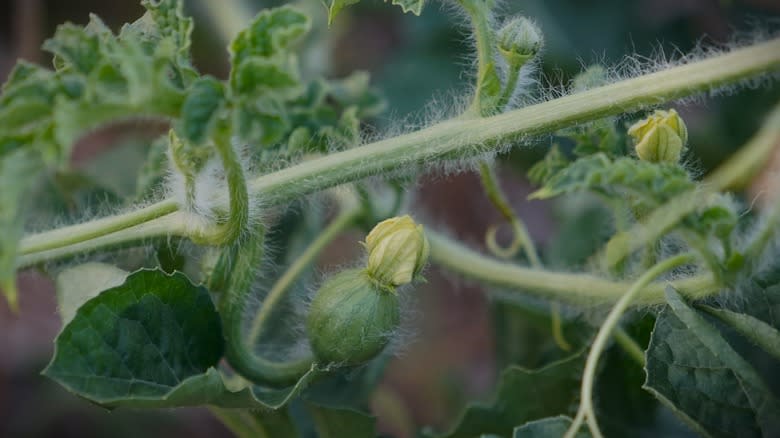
(415, 62)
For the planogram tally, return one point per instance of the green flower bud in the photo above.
(592, 77)
(351, 318)
(660, 137)
(397, 251)
(519, 40)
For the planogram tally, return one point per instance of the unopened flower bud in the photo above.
(660, 137)
(397, 251)
(519, 40)
(592, 77)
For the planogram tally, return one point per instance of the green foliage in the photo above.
(694, 369)
(335, 6)
(272, 106)
(649, 183)
(152, 336)
(549, 387)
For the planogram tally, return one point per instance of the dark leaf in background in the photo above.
(692, 368)
(522, 395)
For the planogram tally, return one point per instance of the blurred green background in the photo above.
(423, 65)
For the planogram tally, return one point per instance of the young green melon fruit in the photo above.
(351, 318)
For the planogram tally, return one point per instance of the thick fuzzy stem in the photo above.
(456, 139)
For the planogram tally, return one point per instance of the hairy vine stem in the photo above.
(450, 140)
(586, 413)
(582, 288)
(232, 277)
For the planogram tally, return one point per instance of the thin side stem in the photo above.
(239, 421)
(629, 345)
(510, 86)
(575, 288)
(238, 216)
(488, 86)
(453, 140)
(588, 379)
(556, 326)
(283, 284)
(520, 238)
(37, 243)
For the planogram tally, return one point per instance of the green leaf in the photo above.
(694, 370)
(756, 331)
(145, 341)
(153, 341)
(261, 122)
(271, 33)
(652, 182)
(327, 115)
(336, 6)
(338, 423)
(413, 6)
(760, 295)
(199, 109)
(26, 111)
(79, 284)
(18, 170)
(553, 162)
(75, 48)
(523, 395)
(356, 90)
(264, 76)
(553, 427)
(165, 19)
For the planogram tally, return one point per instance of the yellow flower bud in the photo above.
(660, 137)
(397, 251)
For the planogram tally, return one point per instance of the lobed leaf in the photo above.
(200, 109)
(692, 368)
(523, 395)
(144, 341)
(271, 33)
(335, 6)
(652, 182)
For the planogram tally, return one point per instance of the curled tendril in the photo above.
(504, 252)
